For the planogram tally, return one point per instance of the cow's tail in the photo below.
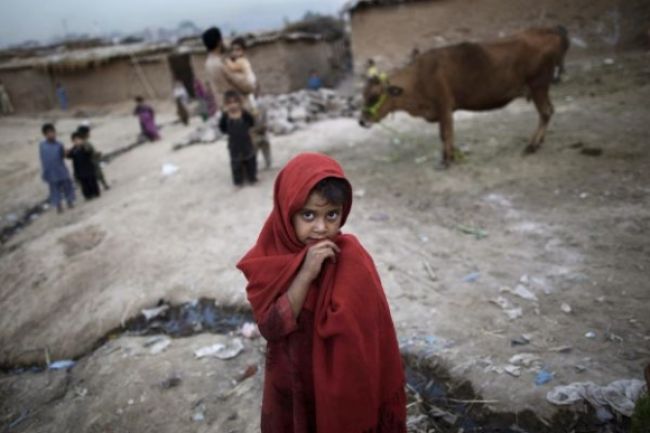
(564, 47)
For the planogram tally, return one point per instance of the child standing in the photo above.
(84, 166)
(54, 171)
(238, 63)
(237, 123)
(84, 132)
(332, 363)
(147, 118)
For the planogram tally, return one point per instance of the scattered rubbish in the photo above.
(130, 402)
(512, 370)
(579, 368)
(521, 291)
(171, 382)
(221, 351)
(522, 340)
(359, 193)
(471, 277)
(511, 311)
(250, 371)
(591, 151)
(421, 159)
(527, 360)
(590, 334)
(514, 313)
(561, 349)
(168, 169)
(249, 330)
(379, 217)
(157, 344)
(619, 395)
(478, 233)
(209, 350)
(600, 299)
(150, 313)
(565, 307)
(424, 238)
(62, 364)
(199, 413)
(189, 318)
(543, 377)
(578, 42)
(608, 61)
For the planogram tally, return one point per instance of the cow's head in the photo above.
(378, 100)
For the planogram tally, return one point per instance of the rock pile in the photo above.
(290, 112)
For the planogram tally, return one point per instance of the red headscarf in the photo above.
(357, 368)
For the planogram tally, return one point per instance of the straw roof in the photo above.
(85, 58)
(354, 5)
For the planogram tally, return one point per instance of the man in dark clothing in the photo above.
(84, 131)
(237, 124)
(54, 171)
(84, 166)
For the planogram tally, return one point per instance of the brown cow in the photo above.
(471, 76)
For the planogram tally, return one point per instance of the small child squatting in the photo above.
(237, 124)
(332, 363)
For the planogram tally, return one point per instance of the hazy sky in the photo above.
(22, 20)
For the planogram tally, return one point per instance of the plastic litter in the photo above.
(62, 364)
(543, 377)
(565, 307)
(157, 344)
(249, 330)
(478, 233)
(471, 277)
(620, 395)
(221, 351)
(168, 169)
(590, 334)
(150, 313)
(512, 370)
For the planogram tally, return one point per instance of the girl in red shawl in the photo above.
(332, 362)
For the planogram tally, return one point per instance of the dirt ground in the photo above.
(570, 228)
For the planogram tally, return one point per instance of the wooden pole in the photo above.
(143, 78)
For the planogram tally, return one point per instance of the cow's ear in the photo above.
(395, 90)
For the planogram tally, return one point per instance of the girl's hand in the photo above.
(315, 257)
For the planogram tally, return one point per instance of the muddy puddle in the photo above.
(436, 402)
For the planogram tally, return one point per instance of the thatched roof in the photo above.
(355, 5)
(85, 58)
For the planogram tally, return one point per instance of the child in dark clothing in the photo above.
(84, 131)
(237, 123)
(84, 167)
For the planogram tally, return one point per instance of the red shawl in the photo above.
(357, 368)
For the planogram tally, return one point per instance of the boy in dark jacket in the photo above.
(237, 123)
(84, 131)
(84, 166)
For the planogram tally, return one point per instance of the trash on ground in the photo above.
(521, 291)
(471, 277)
(590, 334)
(619, 395)
(250, 371)
(512, 370)
(62, 364)
(522, 340)
(221, 351)
(199, 413)
(608, 61)
(359, 193)
(543, 377)
(171, 382)
(477, 232)
(168, 169)
(510, 310)
(527, 360)
(561, 349)
(565, 307)
(249, 330)
(150, 313)
(157, 344)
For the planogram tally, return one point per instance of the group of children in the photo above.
(85, 162)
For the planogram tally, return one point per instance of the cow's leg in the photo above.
(447, 137)
(542, 102)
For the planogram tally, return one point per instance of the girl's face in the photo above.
(317, 220)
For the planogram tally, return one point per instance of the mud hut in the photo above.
(282, 60)
(389, 30)
(92, 76)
